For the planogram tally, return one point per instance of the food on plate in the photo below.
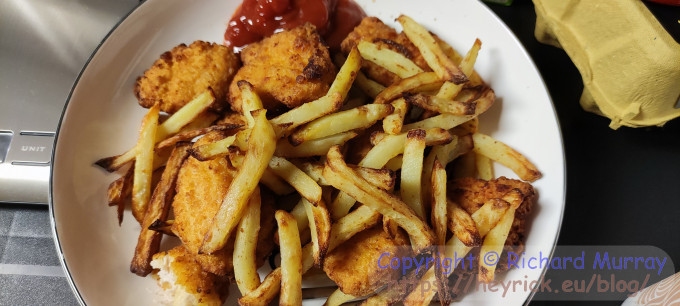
(337, 165)
(186, 71)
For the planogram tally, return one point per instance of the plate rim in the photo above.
(55, 234)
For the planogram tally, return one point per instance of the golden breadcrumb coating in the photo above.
(291, 67)
(373, 30)
(186, 71)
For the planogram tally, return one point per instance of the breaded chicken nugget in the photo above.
(184, 72)
(373, 30)
(355, 265)
(291, 67)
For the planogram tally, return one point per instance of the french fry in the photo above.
(264, 293)
(445, 154)
(487, 216)
(450, 90)
(442, 106)
(141, 184)
(315, 147)
(462, 224)
(448, 121)
(319, 221)
(338, 298)
(245, 245)
(291, 259)
(494, 242)
(119, 192)
(172, 125)
(456, 58)
(164, 227)
(382, 178)
(275, 184)
(250, 101)
(392, 61)
(465, 165)
(355, 222)
(439, 204)
(506, 156)
(393, 122)
(343, 178)
(410, 84)
(433, 55)
(357, 118)
(189, 135)
(327, 104)
(149, 241)
(395, 163)
(261, 145)
(484, 167)
(304, 184)
(393, 145)
(411, 170)
(221, 147)
(203, 120)
(368, 86)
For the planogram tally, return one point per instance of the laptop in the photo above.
(43, 47)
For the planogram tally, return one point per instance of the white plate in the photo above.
(102, 118)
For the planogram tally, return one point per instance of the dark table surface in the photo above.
(623, 186)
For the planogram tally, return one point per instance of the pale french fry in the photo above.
(356, 221)
(484, 167)
(327, 104)
(275, 184)
(445, 154)
(506, 156)
(221, 147)
(442, 106)
(439, 211)
(410, 84)
(394, 164)
(456, 58)
(149, 241)
(338, 298)
(304, 184)
(487, 216)
(319, 221)
(448, 121)
(291, 259)
(392, 61)
(494, 242)
(191, 134)
(393, 145)
(411, 171)
(450, 90)
(393, 123)
(245, 245)
(141, 183)
(264, 293)
(368, 86)
(462, 225)
(353, 103)
(357, 118)
(343, 178)
(250, 101)
(172, 125)
(261, 145)
(314, 147)
(433, 55)
(203, 120)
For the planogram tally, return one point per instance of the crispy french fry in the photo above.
(410, 84)
(433, 55)
(393, 123)
(120, 191)
(164, 227)
(327, 104)
(338, 298)
(276, 184)
(149, 241)
(382, 178)
(189, 135)
(462, 225)
(487, 216)
(357, 118)
(172, 125)
(450, 90)
(261, 145)
(314, 147)
(445, 154)
(368, 86)
(291, 259)
(356, 221)
(264, 293)
(506, 156)
(141, 184)
(448, 121)
(250, 101)
(221, 147)
(304, 184)
(319, 221)
(393, 145)
(484, 167)
(411, 170)
(343, 178)
(494, 242)
(245, 245)
(456, 58)
(442, 106)
(392, 61)
(439, 211)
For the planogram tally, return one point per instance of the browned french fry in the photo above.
(456, 58)
(410, 84)
(368, 86)
(291, 259)
(411, 171)
(304, 184)
(506, 156)
(149, 241)
(393, 145)
(315, 147)
(433, 55)
(393, 123)
(120, 190)
(484, 167)
(250, 101)
(450, 90)
(343, 178)
(494, 242)
(442, 106)
(264, 293)
(382, 178)
(222, 146)
(141, 184)
(445, 153)
(319, 221)
(439, 211)
(448, 121)
(189, 135)
(261, 145)
(462, 225)
(245, 245)
(392, 61)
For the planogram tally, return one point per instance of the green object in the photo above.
(502, 2)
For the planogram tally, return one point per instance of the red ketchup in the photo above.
(256, 19)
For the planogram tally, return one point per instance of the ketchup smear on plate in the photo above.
(256, 19)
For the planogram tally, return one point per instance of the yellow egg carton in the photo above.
(629, 64)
